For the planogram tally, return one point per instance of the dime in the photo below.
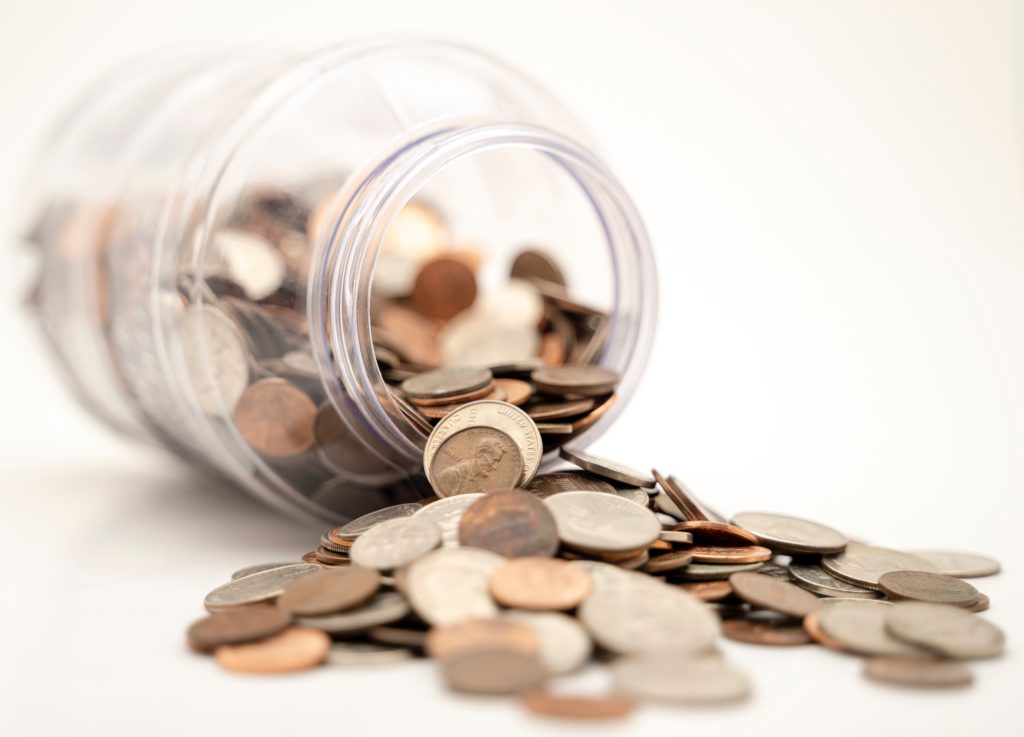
(474, 460)
(258, 568)
(545, 703)
(714, 571)
(447, 513)
(516, 391)
(366, 653)
(609, 577)
(580, 380)
(481, 634)
(730, 554)
(676, 538)
(937, 588)
(666, 677)
(708, 590)
(863, 564)
(359, 525)
(959, 564)
(791, 534)
(394, 543)
(257, 587)
(810, 576)
(296, 648)
(451, 585)
(764, 633)
(918, 672)
(774, 595)
(707, 532)
(511, 523)
(564, 645)
(446, 382)
(540, 584)
(946, 630)
(243, 624)
(607, 469)
(860, 626)
(492, 671)
(329, 591)
(532, 264)
(276, 418)
(384, 608)
(216, 358)
(602, 523)
(555, 483)
(443, 288)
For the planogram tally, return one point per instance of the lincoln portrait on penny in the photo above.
(464, 476)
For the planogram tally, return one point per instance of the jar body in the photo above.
(206, 226)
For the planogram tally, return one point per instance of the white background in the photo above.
(835, 193)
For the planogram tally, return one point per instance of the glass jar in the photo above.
(206, 225)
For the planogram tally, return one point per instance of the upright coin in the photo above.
(535, 264)
(859, 625)
(602, 523)
(296, 648)
(257, 587)
(791, 534)
(474, 460)
(863, 564)
(446, 382)
(545, 584)
(765, 592)
(936, 588)
(918, 672)
(329, 591)
(511, 523)
(959, 564)
(564, 645)
(243, 624)
(392, 544)
(447, 514)
(452, 585)
(216, 358)
(810, 576)
(947, 630)
(570, 379)
(555, 483)
(667, 677)
(708, 532)
(276, 418)
(359, 525)
(607, 469)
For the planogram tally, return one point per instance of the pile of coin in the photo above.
(510, 581)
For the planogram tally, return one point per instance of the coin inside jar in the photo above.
(446, 382)
(474, 460)
(276, 418)
(581, 380)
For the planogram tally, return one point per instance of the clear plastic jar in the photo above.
(331, 158)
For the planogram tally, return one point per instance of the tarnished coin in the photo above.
(516, 391)
(543, 411)
(384, 608)
(257, 587)
(329, 591)
(394, 543)
(937, 588)
(564, 645)
(474, 460)
(863, 564)
(608, 706)
(443, 288)
(555, 483)
(791, 534)
(918, 672)
(276, 418)
(667, 561)
(859, 625)
(243, 624)
(676, 537)
(603, 523)
(765, 633)
(341, 450)
(481, 634)
(366, 653)
(511, 523)
(680, 502)
(714, 571)
(946, 630)
(607, 469)
(446, 382)
(708, 532)
(959, 564)
(447, 513)
(812, 625)
(667, 677)
(810, 576)
(731, 554)
(575, 379)
(359, 525)
(452, 585)
(216, 358)
(545, 584)
(258, 568)
(765, 592)
(296, 648)
(492, 671)
(708, 590)
(534, 264)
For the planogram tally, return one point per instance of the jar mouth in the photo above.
(348, 247)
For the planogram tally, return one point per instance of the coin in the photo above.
(667, 561)
(667, 677)
(394, 543)
(564, 646)
(812, 625)
(533, 264)
(401, 636)
(764, 633)
(481, 634)
(492, 671)
(707, 532)
(328, 557)
(765, 592)
(329, 591)
(607, 469)
(547, 484)
(545, 584)
(918, 672)
(446, 382)
(366, 653)
(384, 608)
(447, 513)
(443, 288)
(258, 568)
(860, 626)
(981, 605)
(559, 410)
(216, 358)
(730, 554)
(863, 564)
(545, 703)
(243, 624)
(475, 339)
(257, 587)
(516, 391)
(341, 450)
(440, 411)
(580, 380)
(296, 648)
(451, 585)
(602, 523)
(276, 418)
(676, 538)
(946, 630)
(682, 502)
(708, 590)
(715, 571)
(473, 460)
(359, 525)
(810, 576)
(511, 523)
(252, 262)
(937, 588)
(791, 534)
(959, 564)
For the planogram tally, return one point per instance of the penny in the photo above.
(276, 418)
(359, 525)
(446, 382)
(863, 564)
(366, 653)
(329, 591)
(715, 571)
(667, 562)
(394, 543)
(545, 703)
(947, 630)
(511, 523)
(603, 523)
(481, 634)
(791, 534)
(447, 514)
(707, 532)
(329, 557)
(384, 608)
(207, 332)
(534, 264)
(682, 500)
(474, 460)
(516, 391)
(810, 576)
(569, 379)
(243, 624)
(708, 590)
(257, 587)
(443, 288)
(554, 428)
(559, 410)
(335, 546)
(765, 592)
(812, 625)
(294, 649)
(676, 538)
(730, 554)
(492, 671)
(416, 334)
(258, 568)
(452, 585)
(309, 557)
(937, 588)
(547, 484)
(918, 672)
(545, 584)
(667, 677)
(607, 469)
(762, 633)
(860, 626)
(400, 636)
(959, 564)
(564, 646)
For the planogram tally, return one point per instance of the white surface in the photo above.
(835, 191)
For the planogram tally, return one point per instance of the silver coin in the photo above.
(791, 534)
(366, 653)
(810, 576)
(714, 571)
(394, 543)
(564, 645)
(451, 585)
(863, 564)
(664, 504)
(605, 576)
(447, 513)
(667, 677)
(258, 568)
(559, 482)
(648, 617)
(607, 469)
(473, 338)
(216, 358)
(383, 608)
(947, 630)
(603, 523)
(859, 625)
(635, 495)
(252, 262)
(775, 571)
(446, 382)
(959, 564)
(359, 525)
(257, 587)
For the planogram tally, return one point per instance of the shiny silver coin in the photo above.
(216, 358)
(635, 495)
(559, 482)
(451, 585)
(447, 513)
(394, 543)
(473, 338)
(944, 629)
(791, 534)
(667, 677)
(959, 564)
(564, 645)
(602, 523)
(811, 577)
(859, 625)
(383, 608)
(359, 525)
(257, 587)
(446, 382)
(258, 568)
(714, 571)
(249, 260)
(366, 654)
(863, 565)
(607, 469)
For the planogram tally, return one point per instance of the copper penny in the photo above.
(535, 264)
(668, 562)
(451, 381)
(545, 703)
(812, 624)
(937, 588)
(552, 349)
(444, 287)
(516, 391)
(296, 648)
(559, 410)
(243, 624)
(708, 590)
(331, 557)
(918, 672)
(483, 392)
(330, 591)
(276, 418)
(492, 671)
(416, 334)
(595, 414)
(480, 634)
(730, 554)
(706, 532)
(680, 496)
(512, 523)
(766, 592)
(583, 380)
(476, 459)
(546, 584)
(310, 557)
(763, 633)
